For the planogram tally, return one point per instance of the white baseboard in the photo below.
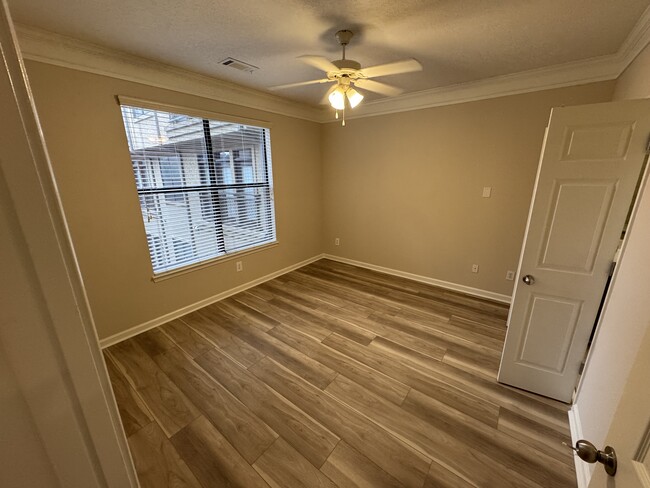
(583, 470)
(133, 331)
(477, 292)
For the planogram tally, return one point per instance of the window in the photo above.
(205, 186)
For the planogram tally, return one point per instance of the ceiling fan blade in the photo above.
(319, 62)
(406, 66)
(377, 87)
(300, 83)
(325, 100)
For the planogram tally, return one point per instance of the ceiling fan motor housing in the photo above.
(347, 64)
(344, 37)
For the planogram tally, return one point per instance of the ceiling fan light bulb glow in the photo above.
(337, 99)
(354, 97)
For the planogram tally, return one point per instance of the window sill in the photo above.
(205, 264)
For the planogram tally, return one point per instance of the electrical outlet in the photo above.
(510, 275)
(337, 241)
(239, 265)
(487, 191)
(474, 268)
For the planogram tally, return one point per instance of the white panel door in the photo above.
(629, 434)
(589, 168)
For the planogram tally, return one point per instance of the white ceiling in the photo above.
(456, 41)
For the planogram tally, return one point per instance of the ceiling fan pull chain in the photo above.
(343, 123)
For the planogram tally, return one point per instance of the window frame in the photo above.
(268, 168)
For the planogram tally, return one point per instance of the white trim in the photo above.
(637, 39)
(583, 470)
(138, 329)
(202, 114)
(468, 290)
(49, 341)
(581, 72)
(576, 73)
(59, 50)
(48, 47)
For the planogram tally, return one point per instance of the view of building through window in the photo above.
(205, 186)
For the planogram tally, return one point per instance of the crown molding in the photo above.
(636, 41)
(51, 48)
(592, 70)
(570, 74)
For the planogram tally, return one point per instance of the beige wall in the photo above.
(84, 133)
(403, 191)
(635, 80)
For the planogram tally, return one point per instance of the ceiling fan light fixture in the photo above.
(337, 98)
(354, 97)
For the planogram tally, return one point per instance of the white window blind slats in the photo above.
(205, 186)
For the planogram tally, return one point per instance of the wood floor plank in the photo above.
(241, 311)
(283, 316)
(474, 363)
(336, 375)
(186, 338)
(316, 373)
(207, 322)
(344, 293)
(536, 435)
(403, 463)
(439, 445)
(153, 341)
(169, 406)
(446, 377)
(362, 320)
(310, 438)
(212, 459)
(404, 352)
(438, 331)
(372, 379)
(157, 462)
(347, 467)
(133, 412)
(472, 405)
(441, 477)
(496, 332)
(346, 328)
(282, 466)
(514, 455)
(243, 429)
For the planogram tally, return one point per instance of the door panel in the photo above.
(604, 142)
(589, 169)
(550, 324)
(579, 211)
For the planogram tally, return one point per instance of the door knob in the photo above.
(528, 279)
(589, 454)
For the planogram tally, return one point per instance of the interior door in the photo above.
(629, 433)
(589, 168)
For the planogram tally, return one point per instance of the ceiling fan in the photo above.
(346, 74)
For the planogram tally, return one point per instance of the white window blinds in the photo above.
(205, 186)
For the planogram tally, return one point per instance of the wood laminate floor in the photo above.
(330, 376)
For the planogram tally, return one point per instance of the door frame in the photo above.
(48, 337)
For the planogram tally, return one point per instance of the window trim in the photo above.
(204, 114)
(165, 275)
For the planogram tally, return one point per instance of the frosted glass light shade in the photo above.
(354, 97)
(337, 98)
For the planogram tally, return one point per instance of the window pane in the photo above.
(204, 186)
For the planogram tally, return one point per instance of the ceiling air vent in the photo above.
(240, 65)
